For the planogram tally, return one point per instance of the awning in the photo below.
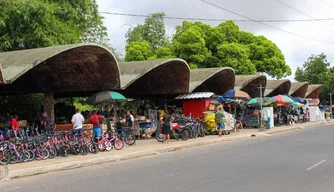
(201, 95)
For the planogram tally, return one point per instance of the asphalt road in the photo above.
(301, 160)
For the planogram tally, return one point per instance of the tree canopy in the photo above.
(26, 24)
(203, 46)
(317, 70)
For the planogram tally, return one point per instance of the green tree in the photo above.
(268, 58)
(138, 51)
(236, 56)
(26, 24)
(317, 70)
(153, 31)
(190, 46)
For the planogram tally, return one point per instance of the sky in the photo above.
(295, 48)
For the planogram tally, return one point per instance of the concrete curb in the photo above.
(134, 155)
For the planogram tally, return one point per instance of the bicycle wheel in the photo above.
(108, 146)
(93, 148)
(118, 144)
(130, 138)
(26, 156)
(46, 153)
(11, 156)
(32, 155)
(52, 153)
(159, 135)
(3, 171)
(84, 150)
(63, 151)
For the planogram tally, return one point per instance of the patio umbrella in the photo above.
(298, 99)
(266, 101)
(237, 94)
(297, 104)
(283, 100)
(105, 96)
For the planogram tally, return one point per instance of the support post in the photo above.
(330, 96)
(261, 99)
(49, 106)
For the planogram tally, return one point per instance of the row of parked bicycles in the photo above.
(18, 147)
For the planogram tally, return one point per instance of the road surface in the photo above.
(301, 160)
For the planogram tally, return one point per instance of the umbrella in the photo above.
(298, 99)
(105, 96)
(283, 100)
(266, 101)
(221, 98)
(297, 104)
(237, 94)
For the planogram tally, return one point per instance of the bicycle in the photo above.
(127, 135)
(3, 171)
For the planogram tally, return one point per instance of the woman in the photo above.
(166, 121)
(307, 115)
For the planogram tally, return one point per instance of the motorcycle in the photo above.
(178, 132)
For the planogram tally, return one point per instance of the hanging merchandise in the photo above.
(210, 122)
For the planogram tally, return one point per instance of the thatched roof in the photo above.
(155, 77)
(250, 84)
(60, 69)
(298, 89)
(216, 80)
(277, 87)
(313, 91)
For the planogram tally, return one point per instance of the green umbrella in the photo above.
(105, 96)
(266, 101)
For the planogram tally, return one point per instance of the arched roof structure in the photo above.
(313, 91)
(65, 69)
(277, 87)
(298, 89)
(216, 80)
(155, 77)
(250, 84)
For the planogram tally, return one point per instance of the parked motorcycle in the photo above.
(178, 132)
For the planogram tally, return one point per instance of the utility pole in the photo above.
(261, 100)
(330, 102)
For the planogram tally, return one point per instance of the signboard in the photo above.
(313, 102)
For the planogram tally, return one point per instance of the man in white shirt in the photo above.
(77, 121)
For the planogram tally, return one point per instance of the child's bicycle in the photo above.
(3, 171)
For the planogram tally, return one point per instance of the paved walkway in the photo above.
(141, 149)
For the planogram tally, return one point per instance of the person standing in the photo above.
(130, 121)
(77, 121)
(14, 124)
(166, 121)
(307, 115)
(95, 120)
(220, 121)
(46, 122)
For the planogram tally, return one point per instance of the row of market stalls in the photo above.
(80, 70)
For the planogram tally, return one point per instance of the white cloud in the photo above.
(295, 49)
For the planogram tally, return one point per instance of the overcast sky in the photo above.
(295, 49)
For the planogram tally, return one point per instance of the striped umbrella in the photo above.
(266, 101)
(237, 94)
(283, 100)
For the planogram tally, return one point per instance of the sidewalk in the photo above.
(141, 149)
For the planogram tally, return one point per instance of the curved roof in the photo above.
(298, 89)
(155, 77)
(250, 84)
(60, 69)
(277, 87)
(217, 80)
(313, 91)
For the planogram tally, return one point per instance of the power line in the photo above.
(327, 3)
(295, 34)
(299, 11)
(191, 18)
(212, 19)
